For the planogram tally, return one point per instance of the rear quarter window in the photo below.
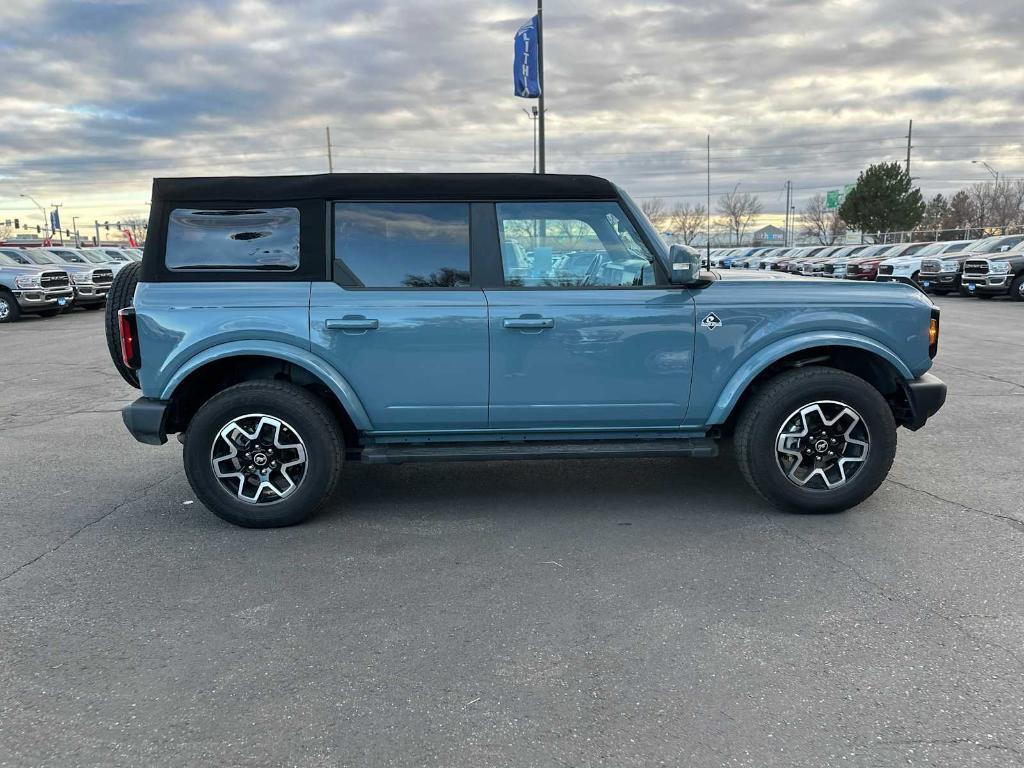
(240, 240)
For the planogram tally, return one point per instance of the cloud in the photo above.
(109, 94)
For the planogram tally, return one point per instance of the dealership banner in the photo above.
(526, 67)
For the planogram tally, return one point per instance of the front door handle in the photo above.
(352, 324)
(528, 323)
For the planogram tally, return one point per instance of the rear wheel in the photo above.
(816, 440)
(121, 295)
(263, 454)
(9, 309)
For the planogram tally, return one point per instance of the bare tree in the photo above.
(820, 223)
(655, 210)
(687, 221)
(737, 211)
(136, 224)
(5, 231)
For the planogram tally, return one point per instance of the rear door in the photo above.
(582, 334)
(400, 320)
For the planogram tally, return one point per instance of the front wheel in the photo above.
(263, 454)
(1017, 289)
(9, 309)
(816, 440)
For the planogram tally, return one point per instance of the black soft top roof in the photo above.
(385, 186)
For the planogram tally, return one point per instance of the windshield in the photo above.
(914, 249)
(5, 259)
(652, 234)
(16, 257)
(956, 247)
(40, 257)
(930, 250)
(95, 258)
(874, 250)
(1000, 243)
(69, 257)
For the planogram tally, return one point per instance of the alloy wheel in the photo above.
(822, 445)
(259, 459)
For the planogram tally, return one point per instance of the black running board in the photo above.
(702, 447)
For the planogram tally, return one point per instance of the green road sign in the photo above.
(835, 197)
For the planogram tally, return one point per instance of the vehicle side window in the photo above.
(571, 245)
(256, 239)
(401, 245)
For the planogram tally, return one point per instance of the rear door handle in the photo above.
(352, 324)
(528, 323)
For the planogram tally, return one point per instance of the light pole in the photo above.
(74, 226)
(989, 168)
(534, 115)
(46, 227)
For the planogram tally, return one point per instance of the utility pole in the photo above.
(540, 78)
(910, 134)
(97, 232)
(74, 226)
(789, 195)
(707, 211)
(330, 158)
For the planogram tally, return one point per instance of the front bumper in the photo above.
(36, 299)
(91, 293)
(146, 419)
(925, 396)
(940, 280)
(995, 284)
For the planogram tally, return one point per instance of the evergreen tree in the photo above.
(883, 200)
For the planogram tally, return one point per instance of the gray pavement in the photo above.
(620, 613)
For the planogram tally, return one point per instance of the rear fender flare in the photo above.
(319, 368)
(759, 361)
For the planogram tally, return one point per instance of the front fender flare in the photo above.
(319, 368)
(759, 361)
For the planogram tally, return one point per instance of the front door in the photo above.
(582, 336)
(400, 321)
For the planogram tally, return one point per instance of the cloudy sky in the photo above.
(99, 97)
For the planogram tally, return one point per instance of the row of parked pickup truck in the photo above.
(992, 266)
(49, 281)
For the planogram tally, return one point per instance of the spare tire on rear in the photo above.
(121, 295)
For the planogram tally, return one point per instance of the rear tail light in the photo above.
(127, 325)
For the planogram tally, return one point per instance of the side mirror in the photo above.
(684, 265)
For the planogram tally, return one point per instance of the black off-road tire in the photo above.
(121, 295)
(12, 311)
(767, 411)
(316, 426)
(1017, 288)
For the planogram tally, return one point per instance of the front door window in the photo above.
(571, 245)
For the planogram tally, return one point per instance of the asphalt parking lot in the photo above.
(622, 613)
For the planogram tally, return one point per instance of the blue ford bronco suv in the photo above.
(282, 326)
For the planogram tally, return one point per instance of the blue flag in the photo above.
(526, 68)
(54, 220)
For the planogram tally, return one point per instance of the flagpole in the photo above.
(540, 79)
